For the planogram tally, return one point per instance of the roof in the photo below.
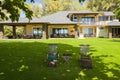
(61, 17)
(108, 13)
(83, 12)
(58, 18)
(113, 23)
(23, 21)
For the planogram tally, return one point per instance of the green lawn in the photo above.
(26, 60)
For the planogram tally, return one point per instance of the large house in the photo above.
(68, 24)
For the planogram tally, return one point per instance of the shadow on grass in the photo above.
(115, 40)
(27, 61)
(101, 70)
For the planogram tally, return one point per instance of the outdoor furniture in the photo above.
(85, 56)
(66, 57)
(84, 48)
(52, 56)
(86, 63)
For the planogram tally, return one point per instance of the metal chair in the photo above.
(52, 56)
(85, 56)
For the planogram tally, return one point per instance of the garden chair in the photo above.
(52, 59)
(85, 56)
(52, 56)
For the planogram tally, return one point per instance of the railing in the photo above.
(98, 23)
(101, 23)
(87, 23)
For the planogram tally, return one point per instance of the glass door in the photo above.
(88, 32)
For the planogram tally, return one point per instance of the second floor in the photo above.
(90, 17)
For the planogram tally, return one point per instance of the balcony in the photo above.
(87, 23)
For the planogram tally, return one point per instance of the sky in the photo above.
(36, 1)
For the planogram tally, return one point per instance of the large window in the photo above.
(88, 32)
(37, 32)
(116, 32)
(88, 19)
(101, 18)
(106, 18)
(60, 31)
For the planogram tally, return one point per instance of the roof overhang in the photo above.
(84, 13)
(113, 23)
(62, 24)
(21, 23)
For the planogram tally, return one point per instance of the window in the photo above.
(111, 18)
(101, 18)
(75, 19)
(88, 19)
(37, 32)
(88, 32)
(60, 31)
(107, 18)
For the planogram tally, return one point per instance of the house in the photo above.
(68, 24)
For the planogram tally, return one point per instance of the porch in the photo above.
(26, 35)
(44, 31)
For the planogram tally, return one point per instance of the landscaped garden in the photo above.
(27, 60)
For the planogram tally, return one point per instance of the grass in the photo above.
(26, 60)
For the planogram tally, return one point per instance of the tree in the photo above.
(79, 5)
(117, 11)
(82, 0)
(67, 5)
(105, 5)
(11, 9)
(8, 32)
(102, 5)
(37, 10)
(52, 6)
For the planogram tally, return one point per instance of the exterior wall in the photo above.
(102, 32)
(70, 28)
(97, 32)
(29, 28)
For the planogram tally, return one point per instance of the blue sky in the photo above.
(36, 1)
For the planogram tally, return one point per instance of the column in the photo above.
(109, 32)
(45, 31)
(81, 33)
(1, 31)
(94, 31)
(76, 31)
(108, 18)
(14, 31)
(25, 32)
